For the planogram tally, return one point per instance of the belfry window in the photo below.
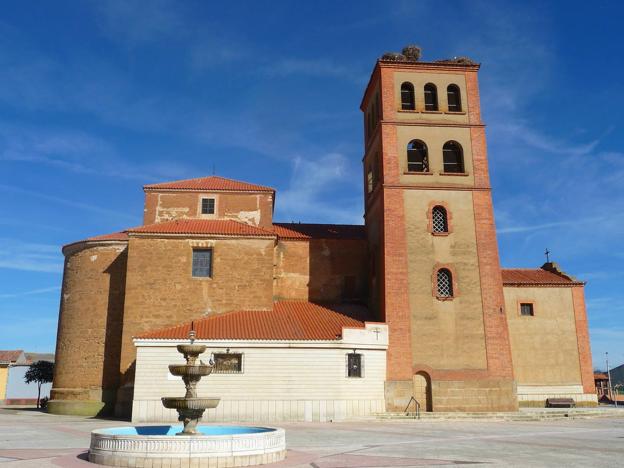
(453, 157)
(431, 97)
(453, 98)
(439, 219)
(407, 96)
(202, 263)
(208, 206)
(444, 286)
(417, 157)
(354, 365)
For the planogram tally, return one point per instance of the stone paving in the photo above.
(33, 439)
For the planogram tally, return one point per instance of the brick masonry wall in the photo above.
(161, 291)
(250, 208)
(496, 331)
(582, 336)
(324, 270)
(90, 322)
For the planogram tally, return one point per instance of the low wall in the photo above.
(265, 410)
(536, 395)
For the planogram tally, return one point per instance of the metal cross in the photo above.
(547, 253)
(376, 331)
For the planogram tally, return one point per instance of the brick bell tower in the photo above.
(435, 274)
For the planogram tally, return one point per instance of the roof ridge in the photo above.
(246, 186)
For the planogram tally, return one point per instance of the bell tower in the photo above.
(435, 275)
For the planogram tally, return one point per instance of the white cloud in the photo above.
(66, 202)
(32, 292)
(136, 22)
(28, 256)
(309, 195)
(314, 67)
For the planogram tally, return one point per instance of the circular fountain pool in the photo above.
(212, 446)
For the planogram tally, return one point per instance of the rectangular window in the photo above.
(202, 263)
(208, 206)
(354, 365)
(228, 363)
(526, 309)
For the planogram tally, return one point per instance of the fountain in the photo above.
(190, 408)
(193, 445)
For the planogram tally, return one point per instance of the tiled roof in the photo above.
(34, 357)
(289, 320)
(115, 236)
(212, 183)
(10, 355)
(219, 227)
(298, 231)
(537, 276)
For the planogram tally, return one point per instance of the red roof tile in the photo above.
(298, 231)
(212, 183)
(537, 276)
(217, 227)
(10, 355)
(115, 236)
(289, 320)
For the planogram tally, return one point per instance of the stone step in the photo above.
(519, 416)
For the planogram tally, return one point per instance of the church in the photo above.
(319, 322)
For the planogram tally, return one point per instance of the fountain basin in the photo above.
(191, 349)
(213, 446)
(196, 403)
(180, 370)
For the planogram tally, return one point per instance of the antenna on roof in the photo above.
(214, 169)
(547, 253)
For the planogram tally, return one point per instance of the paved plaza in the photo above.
(33, 439)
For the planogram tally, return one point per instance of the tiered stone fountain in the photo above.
(190, 407)
(189, 444)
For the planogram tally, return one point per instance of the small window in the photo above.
(439, 219)
(417, 157)
(407, 96)
(453, 98)
(228, 363)
(431, 97)
(208, 206)
(202, 263)
(354, 365)
(445, 283)
(453, 157)
(526, 309)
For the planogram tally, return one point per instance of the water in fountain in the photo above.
(190, 407)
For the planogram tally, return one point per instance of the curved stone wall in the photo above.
(88, 344)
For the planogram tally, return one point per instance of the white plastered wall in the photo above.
(281, 380)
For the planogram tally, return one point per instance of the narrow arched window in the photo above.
(407, 96)
(453, 98)
(444, 287)
(453, 157)
(431, 97)
(439, 219)
(417, 157)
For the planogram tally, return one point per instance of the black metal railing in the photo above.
(417, 407)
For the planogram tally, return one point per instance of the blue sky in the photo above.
(98, 98)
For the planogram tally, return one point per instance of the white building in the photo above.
(299, 362)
